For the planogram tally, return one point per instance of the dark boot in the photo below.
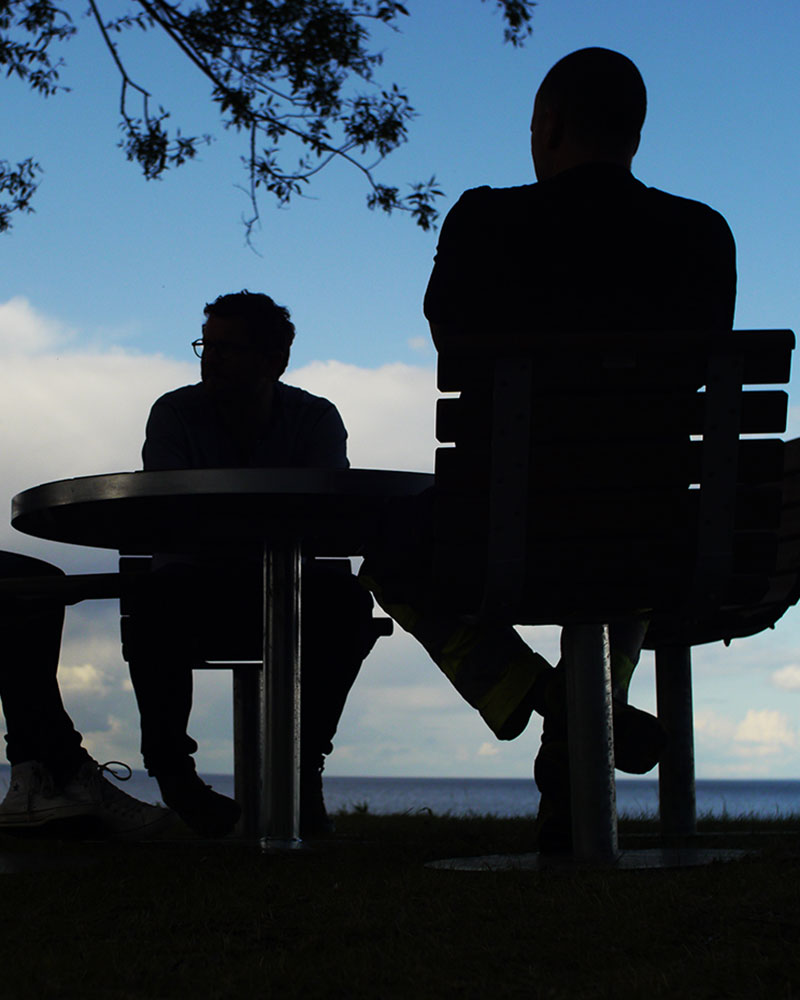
(553, 828)
(639, 738)
(198, 805)
(338, 634)
(314, 819)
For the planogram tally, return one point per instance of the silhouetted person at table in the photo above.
(241, 416)
(587, 248)
(54, 780)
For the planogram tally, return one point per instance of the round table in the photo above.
(280, 514)
(330, 511)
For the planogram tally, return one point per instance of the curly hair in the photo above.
(267, 323)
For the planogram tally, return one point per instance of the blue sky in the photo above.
(101, 291)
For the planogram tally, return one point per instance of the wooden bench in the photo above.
(672, 639)
(588, 481)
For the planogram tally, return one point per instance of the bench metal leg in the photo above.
(279, 823)
(585, 649)
(676, 786)
(246, 729)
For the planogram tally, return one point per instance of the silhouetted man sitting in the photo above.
(587, 248)
(241, 415)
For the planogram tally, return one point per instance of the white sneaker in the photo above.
(32, 798)
(120, 815)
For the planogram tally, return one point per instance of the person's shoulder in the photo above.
(490, 197)
(486, 206)
(185, 395)
(679, 207)
(185, 398)
(292, 396)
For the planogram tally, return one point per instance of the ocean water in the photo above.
(519, 797)
(507, 796)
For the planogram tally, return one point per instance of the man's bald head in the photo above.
(590, 107)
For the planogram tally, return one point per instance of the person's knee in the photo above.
(14, 564)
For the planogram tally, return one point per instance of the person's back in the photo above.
(591, 248)
(588, 247)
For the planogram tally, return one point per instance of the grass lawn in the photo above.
(363, 917)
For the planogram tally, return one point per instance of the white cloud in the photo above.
(761, 733)
(111, 741)
(68, 410)
(787, 678)
(73, 411)
(388, 411)
(714, 727)
(25, 331)
(412, 697)
(84, 680)
(420, 344)
(768, 728)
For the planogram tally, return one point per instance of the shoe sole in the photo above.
(43, 816)
(39, 819)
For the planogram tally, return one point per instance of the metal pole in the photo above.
(676, 788)
(280, 698)
(586, 652)
(246, 752)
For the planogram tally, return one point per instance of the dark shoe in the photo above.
(552, 831)
(553, 827)
(314, 819)
(639, 738)
(198, 805)
(551, 771)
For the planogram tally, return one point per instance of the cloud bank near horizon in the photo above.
(74, 407)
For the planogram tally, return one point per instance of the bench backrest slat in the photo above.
(579, 430)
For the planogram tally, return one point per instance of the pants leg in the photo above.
(160, 640)
(337, 633)
(487, 663)
(38, 726)
(626, 638)
(194, 613)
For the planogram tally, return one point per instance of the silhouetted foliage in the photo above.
(18, 183)
(281, 73)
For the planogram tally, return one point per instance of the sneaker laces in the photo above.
(112, 797)
(120, 763)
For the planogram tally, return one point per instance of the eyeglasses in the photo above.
(224, 350)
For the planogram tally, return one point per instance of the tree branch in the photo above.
(278, 69)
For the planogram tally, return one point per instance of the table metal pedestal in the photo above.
(279, 690)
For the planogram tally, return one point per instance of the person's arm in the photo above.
(723, 275)
(326, 442)
(456, 276)
(166, 443)
(707, 296)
